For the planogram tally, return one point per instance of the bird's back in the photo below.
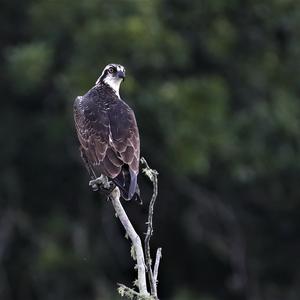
(108, 133)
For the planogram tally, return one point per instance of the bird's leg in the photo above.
(101, 182)
(86, 163)
(95, 183)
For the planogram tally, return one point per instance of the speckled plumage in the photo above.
(108, 133)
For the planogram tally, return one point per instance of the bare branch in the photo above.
(137, 249)
(156, 265)
(135, 239)
(152, 174)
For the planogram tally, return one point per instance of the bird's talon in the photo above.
(93, 182)
(95, 187)
(101, 182)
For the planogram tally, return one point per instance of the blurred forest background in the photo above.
(215, 87)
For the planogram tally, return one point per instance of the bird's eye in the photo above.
(111, 70)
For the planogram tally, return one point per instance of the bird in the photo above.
(108, 134)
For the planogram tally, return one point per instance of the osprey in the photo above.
(108, 133)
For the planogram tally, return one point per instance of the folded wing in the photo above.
(110, 139)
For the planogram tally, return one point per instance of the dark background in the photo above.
(215, 88)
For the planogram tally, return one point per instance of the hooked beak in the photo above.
(121, 74)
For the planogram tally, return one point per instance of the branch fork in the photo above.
(142, 256)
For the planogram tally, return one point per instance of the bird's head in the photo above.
(112, 75)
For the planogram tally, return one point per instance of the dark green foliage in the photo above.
(215, 88)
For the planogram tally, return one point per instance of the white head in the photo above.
(112, 75)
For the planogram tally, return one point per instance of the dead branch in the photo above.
(137, 249)
(152, 174)
(135, 239)
(156, 265)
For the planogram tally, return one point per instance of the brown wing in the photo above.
(125, 143)
(125, 139)
(110, 139)
(92, 125)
